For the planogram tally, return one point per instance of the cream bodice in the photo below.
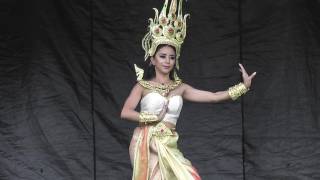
(154, 102)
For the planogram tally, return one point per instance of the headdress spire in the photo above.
(168, 27)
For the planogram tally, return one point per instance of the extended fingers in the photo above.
(165, 106)
(252, 75)
(241, 66)
(242, 69)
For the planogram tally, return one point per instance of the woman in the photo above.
(153, 149)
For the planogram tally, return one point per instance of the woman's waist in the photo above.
(169, 125)
(170, 114)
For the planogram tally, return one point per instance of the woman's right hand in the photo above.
(163, 111)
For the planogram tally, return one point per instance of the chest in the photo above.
(154, 102)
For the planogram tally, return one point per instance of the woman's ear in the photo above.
(152, 60)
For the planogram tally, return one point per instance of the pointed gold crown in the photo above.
(166, 29)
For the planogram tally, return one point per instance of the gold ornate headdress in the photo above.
(166, 28)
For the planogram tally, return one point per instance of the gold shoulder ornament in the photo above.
(139, 72)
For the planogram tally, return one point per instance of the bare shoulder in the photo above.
(134, 97)
(142, 86)
(137, 89)
(183, 87)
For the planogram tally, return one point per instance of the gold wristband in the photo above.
(147, 117)
(237, 90)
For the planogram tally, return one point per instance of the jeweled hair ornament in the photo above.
(167, 28)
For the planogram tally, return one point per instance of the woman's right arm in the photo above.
(128, 111)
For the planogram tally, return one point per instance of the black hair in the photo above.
(149, 69)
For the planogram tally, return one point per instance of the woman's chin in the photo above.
(166, 71)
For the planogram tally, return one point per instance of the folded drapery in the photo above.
(155, 156)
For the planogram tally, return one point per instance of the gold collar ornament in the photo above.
(167, 28)
(162, 89)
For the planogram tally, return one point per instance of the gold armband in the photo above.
(237, 90)
(147, 117)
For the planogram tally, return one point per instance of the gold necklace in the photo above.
(162, 89)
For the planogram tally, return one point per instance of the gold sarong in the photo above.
(155, 156)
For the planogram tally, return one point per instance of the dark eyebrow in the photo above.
(164, 54)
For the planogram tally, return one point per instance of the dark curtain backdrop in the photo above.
(66, 68)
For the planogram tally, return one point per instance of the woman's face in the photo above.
(164, 59)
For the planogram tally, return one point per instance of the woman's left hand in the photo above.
(246, 78)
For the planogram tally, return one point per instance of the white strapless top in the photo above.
(154, 102)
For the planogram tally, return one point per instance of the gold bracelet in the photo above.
(147, 117)
(237, 90)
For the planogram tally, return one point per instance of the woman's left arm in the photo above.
(196, 95)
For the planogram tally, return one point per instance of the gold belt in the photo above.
(161, 130)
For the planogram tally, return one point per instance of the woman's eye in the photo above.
(163, 56)
(172, 58)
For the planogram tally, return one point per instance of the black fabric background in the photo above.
(66, 68)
